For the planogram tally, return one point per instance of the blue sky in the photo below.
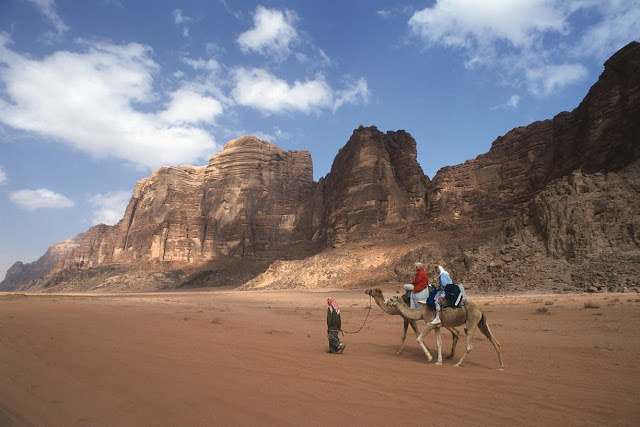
(96, 94)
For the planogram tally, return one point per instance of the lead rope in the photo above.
(365, 319)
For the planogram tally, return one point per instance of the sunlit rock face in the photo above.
(254, 197)
(250, 197)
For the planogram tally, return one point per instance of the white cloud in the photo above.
(530, 37)
(48, 8)
(262, 90)
(355, 92)
(99, 100)
(179, 18)
(235, 13)
(273, 33)
(618, 27)
(187, 106)
(109, 208)
(3, 176)
(41, 198)
(546, 80)
(257, 88)
(210, 65)
(181, 21)
(466, 23)
(512, 103)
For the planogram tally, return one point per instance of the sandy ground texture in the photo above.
(259, 358)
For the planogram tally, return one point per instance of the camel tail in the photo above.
(484, 328)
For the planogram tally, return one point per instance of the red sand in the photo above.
(247, 358)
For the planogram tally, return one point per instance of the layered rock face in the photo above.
(565, 189)
(584, 216)
(20, 273)
(375, 181)
(581, 233)
(602, 134)
(254, 198)
(249, 198)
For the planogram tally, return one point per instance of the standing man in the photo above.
(334, 325)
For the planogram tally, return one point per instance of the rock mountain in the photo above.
(553, 205)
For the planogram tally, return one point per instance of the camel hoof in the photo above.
(438, 363)
(449, 357)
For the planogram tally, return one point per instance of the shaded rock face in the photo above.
(580, 233)
(602, 134)
(20, 273)
(583, 215)
(375, 181)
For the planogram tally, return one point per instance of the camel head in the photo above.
(374, 292)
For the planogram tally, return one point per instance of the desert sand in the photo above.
(227, 357)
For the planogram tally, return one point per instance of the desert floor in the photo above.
(259, 358)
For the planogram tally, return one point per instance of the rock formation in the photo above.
(247, 200)
(21, 273)
(602, 134)
(546, 206)
(375, 181)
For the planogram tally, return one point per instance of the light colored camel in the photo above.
(378, 297)
(471, 316)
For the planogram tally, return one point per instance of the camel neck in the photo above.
(411, 313)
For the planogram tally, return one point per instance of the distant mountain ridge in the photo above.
(225, 223)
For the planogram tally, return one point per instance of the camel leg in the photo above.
(414, 326)
(470, 332)
(439, 343)
(455, 335)
(425, 331)
(484, 328)
(404, 335)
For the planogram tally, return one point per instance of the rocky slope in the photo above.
(21, 273)
(552, 205)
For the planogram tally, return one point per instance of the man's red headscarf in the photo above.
(333, 304)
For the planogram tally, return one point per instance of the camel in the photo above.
(376, 294)
(470, 315)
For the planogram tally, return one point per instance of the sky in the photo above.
(96, 94)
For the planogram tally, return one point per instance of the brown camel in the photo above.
(378, 297)
(470, 315)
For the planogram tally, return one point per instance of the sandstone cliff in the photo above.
(552, 206)
(21, 273)
(247, 200)
(544, 207)
(375, 182)
(602, 134)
